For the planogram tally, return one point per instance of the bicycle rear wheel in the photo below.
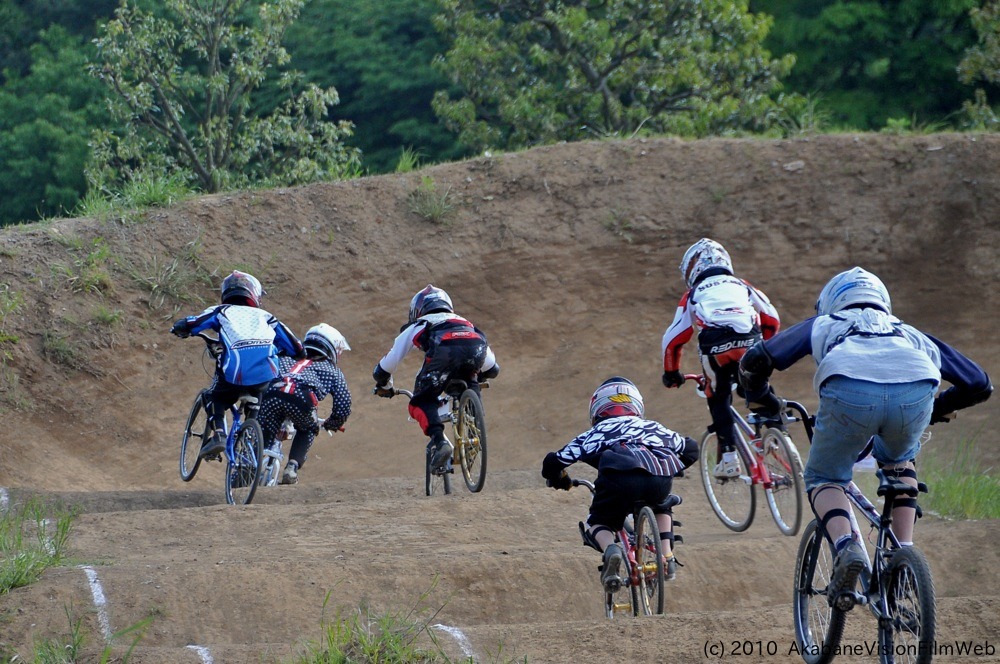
(908, 635)
(818, 626)
(244, 467)
(733, 499)
(649, 564)
(470, 434)
(623, 600)
(195, 433)
(435, 484)
(784, 496)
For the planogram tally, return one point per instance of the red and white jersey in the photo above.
(720, 303)
(431, 330)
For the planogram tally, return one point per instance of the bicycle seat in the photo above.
(455, 387)
(670, 501)
(891, 489)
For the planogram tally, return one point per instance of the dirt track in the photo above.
(566, 256)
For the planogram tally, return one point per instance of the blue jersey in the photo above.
(250, 338)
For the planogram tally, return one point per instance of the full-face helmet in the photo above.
(325, 340)
(241, 288)
(430, 299)
(853, 287)
(616, 397)
(702, 255)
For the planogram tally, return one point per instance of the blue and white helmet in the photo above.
(702, 255)
(616, 397)
(431, 298)
(851, 288)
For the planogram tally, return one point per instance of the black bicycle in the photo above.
(896, 586)
(244, 453)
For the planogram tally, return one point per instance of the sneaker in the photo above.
(847, 566)
(728, 467)
(611, 571)
(442, 451)
(216, 444)
(291, 474)
(670, 573)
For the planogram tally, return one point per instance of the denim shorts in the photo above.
(853, 411)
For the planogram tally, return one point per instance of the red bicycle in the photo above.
(765, 455)
(644, 565)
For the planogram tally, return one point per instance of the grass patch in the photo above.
(59, 349)
(431, 204)
(108, 317)
(960, 487)
(73, 646)
(33, 537)
(619, 224)
(88, 271)
(409, 160)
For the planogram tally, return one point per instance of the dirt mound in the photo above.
(566, 256)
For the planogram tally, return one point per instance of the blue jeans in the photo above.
(852, 411)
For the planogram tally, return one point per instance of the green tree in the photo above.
(183, 84)
(536, 71)
(868, 61)
(46, 116)
(981, 64)
(380, 57)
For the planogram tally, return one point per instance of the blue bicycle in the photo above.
(244, 453)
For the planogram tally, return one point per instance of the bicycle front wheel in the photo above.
(648, 564)
(908, 634)
(624, 599)
(818, 626)
(784, 495)
(733, 499)
(245, 464)
(470, 434)
(195, 434)
(435, 484)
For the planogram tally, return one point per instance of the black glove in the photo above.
(767, 404)
(673, 379)
(180, 329)
(940, 412)
(564, 482)
(384, 391)
(330, 425)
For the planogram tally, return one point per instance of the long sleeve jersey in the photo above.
(321, 378)
(251, 339)
(624, 443)
(722, 303)
(426, 333)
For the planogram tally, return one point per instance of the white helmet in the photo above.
(853, 287)
(326, 340)
(616, 397)
(700, 256)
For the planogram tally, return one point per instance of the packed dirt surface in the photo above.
(566, 256)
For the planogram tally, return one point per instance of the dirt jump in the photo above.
(566, 256)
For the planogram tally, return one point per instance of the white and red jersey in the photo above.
(719, 306)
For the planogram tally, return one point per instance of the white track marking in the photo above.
(99, 600)
(50, 546)
(460, 638)
(4, 499)
(206, 657)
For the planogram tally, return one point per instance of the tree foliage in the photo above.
(380, 56)
(869, 61)
(536, 71)
(981, 64)
(183, 83)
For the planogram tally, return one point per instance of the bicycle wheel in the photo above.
(649, 564)
(470, 435)
(733, 499)
(194, 436)
(784, 496)
(908, 634)
(435, 484)
(244, 467)
(818, 626)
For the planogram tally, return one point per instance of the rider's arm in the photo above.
(206, 320)
(970, 384)
(404, 343)
(779, 352)
(341, 397)
(678, 333)
(285, 340)
(769, 321)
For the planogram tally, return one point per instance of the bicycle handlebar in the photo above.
(586, 483)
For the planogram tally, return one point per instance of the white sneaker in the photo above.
(728, 467)
(291, 474)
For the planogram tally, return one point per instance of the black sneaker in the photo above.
(215, 445)
(441, 452)
(847, 566)
(611, 572)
